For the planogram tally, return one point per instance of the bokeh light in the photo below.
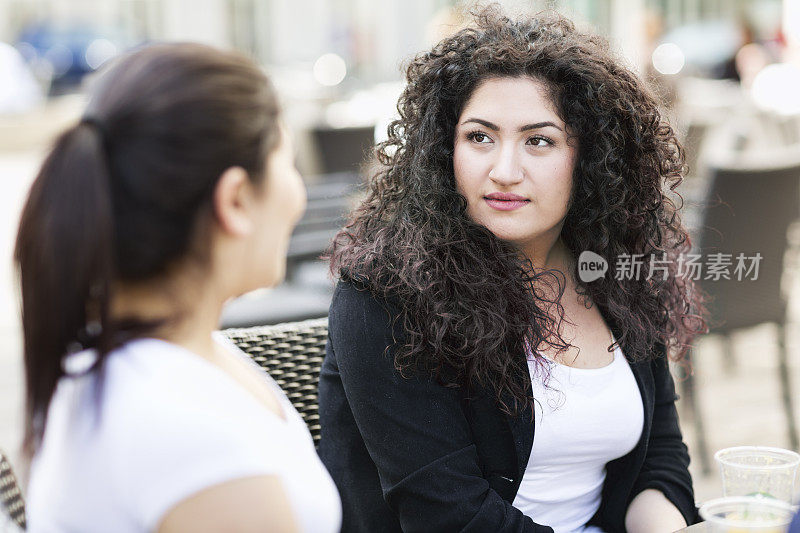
(100, 51)
(668, 58)
(330, 70)
(60, 58)
(776, 88)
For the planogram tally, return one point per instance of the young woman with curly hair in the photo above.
(473, 381)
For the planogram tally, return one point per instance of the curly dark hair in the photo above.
(471, 303)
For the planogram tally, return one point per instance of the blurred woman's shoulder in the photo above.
(156, 425)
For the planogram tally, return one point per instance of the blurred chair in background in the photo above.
(693, 145)
(344, 149)
(693, 188)
(748, 210)
(329, 201)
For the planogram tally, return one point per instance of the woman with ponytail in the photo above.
(175, 192)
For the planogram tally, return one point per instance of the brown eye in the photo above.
(479, 137)
(540, 142)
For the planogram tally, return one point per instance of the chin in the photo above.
(277, 276)
(266, 280)
(511, 236)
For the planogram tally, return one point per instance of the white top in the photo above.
(583, 419)
(171, 424)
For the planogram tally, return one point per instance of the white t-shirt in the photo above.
(583, 419)
(170, 424)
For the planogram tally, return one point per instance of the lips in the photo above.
(503, 201)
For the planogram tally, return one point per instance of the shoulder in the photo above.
(363, 330)
(173, 425)
(358, 292)
(659, 360)
(154, 387)
(153, 427)
(164, 411)
(356, 307)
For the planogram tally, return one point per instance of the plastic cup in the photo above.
(747, 514)
(758, 471)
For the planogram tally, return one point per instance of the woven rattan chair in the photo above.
(11, 501)
(292, 354)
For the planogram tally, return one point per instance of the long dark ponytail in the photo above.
(121, 196)
(64, 250)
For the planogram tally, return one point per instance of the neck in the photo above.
(548, 252)
(191, 310)
(552, 254)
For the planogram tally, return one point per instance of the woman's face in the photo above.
(513, 161)
(281, 202)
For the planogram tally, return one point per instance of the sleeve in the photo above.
(173, 449)
(414, 429)
(666, 464)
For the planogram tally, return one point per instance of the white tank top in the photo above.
(583, 419)
(171, 424)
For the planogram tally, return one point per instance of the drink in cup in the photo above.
(746, 514)
(758, 471)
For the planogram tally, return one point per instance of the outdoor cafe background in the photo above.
(728, 70)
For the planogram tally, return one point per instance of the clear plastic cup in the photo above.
(747, 514)
(758, 471)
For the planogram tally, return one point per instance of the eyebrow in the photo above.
(526, 127)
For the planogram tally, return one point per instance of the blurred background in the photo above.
(727, 72)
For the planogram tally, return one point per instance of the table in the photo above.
(696, 528)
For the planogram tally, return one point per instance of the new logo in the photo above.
(591, 266)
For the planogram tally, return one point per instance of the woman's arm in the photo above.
(414, 429)
(255, 504)
(651, 512)
(666, 465)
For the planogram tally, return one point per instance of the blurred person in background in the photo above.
(730, 69)
(473, 380)
(174, 193)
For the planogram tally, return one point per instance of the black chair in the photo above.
(292, 354)
(329, 202)
(11, 500)
(693, 143)
(749, 209)
(289, 302)
(344, 149)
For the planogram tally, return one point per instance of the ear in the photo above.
(232, 195)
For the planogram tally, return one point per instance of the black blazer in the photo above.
(411, 455)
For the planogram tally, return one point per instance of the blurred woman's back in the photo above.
(174, 193)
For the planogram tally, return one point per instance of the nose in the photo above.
(507, 169)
